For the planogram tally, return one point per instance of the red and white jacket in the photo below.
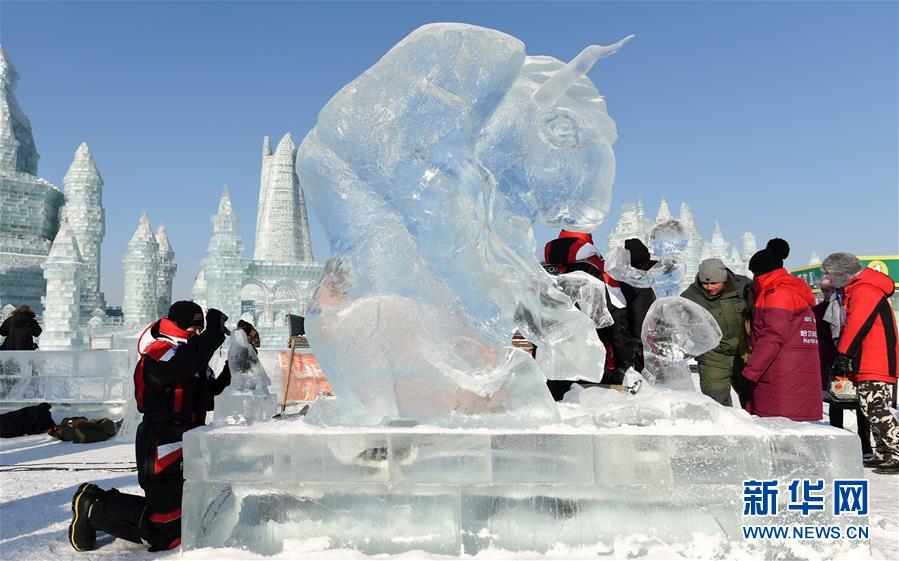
(172, 379)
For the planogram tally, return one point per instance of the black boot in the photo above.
(82, 535)
(888, 468)
(876, 461)
(121, 515)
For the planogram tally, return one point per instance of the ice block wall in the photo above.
(80, 380)
(463, 491)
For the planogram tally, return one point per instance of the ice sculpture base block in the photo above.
(272, 485)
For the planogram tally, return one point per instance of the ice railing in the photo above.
(64, 376)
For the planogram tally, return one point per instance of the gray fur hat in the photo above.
(841, 267)
(712, 270)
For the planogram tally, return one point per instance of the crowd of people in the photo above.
(781, 352)
(779, 349)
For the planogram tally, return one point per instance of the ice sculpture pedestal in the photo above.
(274, 484)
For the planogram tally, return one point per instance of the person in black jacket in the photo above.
(20, 329)
(174, 388)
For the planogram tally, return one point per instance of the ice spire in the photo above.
(83, 209)
(64, 273)
(735, 262)
(814, 259)
(165, 272)
(719, 246)
(282, 225)
(693, 252)
(17, 150)
(664, 212)
(223, 266)
(225, 220)
(83, 178)
(686, 214)
(263, 180)
(749, 246)
(141, 263)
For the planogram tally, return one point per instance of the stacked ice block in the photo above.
(63, 376)
(445, 491)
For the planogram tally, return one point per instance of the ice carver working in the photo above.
(174, 388)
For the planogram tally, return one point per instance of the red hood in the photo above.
(164, 328)
(580, 235)
(781, 278)
(873, 278)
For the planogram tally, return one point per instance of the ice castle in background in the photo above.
(50, 241)
(633, 223)
(149, 264)
(282, 273)
(30, 205)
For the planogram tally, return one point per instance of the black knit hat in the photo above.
(638, 251)
(186, 314)
(765, 261)
(779, 246)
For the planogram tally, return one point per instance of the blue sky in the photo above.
(779, 118)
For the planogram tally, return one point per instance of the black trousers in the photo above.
(864, 427)
(155, 518)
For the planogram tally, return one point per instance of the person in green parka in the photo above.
(721, 292)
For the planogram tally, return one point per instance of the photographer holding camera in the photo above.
(174, 388)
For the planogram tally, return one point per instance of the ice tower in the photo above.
(750, 246)
(165, 272)
(64, 272)
(282, 226)
(694, 247)
(30, 217)
(84, 212)
(718, 246)
(223, 264)
(141, 263)
(279, 278)
(664, 212)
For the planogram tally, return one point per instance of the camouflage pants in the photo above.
(874, 400)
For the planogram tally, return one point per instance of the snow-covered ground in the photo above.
(39, 474)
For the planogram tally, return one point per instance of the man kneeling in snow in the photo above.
(174, 388)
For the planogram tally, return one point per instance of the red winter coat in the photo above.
(784, 365)
(869, 335)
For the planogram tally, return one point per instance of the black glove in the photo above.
(223, 380)
(842, 366)
(215, 321)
